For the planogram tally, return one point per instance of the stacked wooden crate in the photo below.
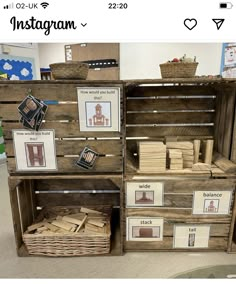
(179, 209)
(69, 185)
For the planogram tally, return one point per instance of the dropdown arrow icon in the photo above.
(83, 25)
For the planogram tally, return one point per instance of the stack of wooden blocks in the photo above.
(152, 156)
(175, 159)
(186, 148)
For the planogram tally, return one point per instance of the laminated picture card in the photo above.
(99, 108)
(35, 150)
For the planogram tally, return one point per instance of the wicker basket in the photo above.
(71, 244)
(69, 70)
(178, 70)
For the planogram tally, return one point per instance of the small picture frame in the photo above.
(144, 229)
(99, 108)
(34, 150)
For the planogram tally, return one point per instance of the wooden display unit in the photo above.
(182, 110)
(70, 185)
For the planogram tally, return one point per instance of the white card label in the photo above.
(144, 229)
(191, 236)
(144, 194)
(35, 150)
(211, 202)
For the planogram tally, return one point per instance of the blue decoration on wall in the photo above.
(17, 68)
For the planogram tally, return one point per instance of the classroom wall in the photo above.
(141, 60)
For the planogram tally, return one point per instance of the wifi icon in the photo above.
(44, 4)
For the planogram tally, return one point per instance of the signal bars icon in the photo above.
(9, 6)
(44, 4)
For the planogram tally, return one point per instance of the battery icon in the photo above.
(226, 5)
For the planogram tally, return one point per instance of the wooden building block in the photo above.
(208, 152)
(96, 223)
(196, 148)
(71, 220)
(62, 224)
(185, 145)
(87, 211)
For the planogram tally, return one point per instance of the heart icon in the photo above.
(190, 23)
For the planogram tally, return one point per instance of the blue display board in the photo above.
(17, 68)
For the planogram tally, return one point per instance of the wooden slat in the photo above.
(170, 91)
(76, 199)
(67, 165)
(75, 184)
(62, 130)
(66, 147)
(221, 126)
(177, 215)
(54, 112)
(216, 230)
(170, 104)
(55, 90)
(161, 131)
(233, 148)
(25, 205)
(15, 213)
(228, 120)
(215, 243)
(177, 117)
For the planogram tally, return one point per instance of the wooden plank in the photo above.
(177, 215)
(24, 207)
(15, 212)
(215, 243)
(176, 117)
(232, 233)
(77, 199)
(221, 127)
(67, 147)
(150, 91)
(170, 104)
(229, 120)
(233, 146)
(162, 131)
(216, 230)
(54, 112)
(75, 184)
(62, 90)
(188, 186)
(62, 130)
(67, 165)
(224, 164)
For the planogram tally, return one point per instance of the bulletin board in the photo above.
(228, 60)
(18, 68)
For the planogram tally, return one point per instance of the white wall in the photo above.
(141, 60)
(51, 53)
(24, 52)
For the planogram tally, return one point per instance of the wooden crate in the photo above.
(70, 185)
(31, 194)
(182, 110)
(186, 110)
(62, 116)
(177, 209)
